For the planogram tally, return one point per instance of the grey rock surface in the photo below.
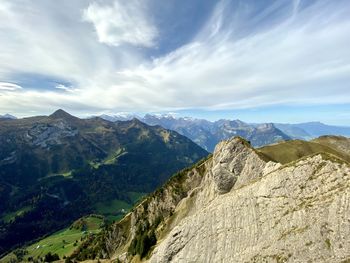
(247, 210)
(44, 135)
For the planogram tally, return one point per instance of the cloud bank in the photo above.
(247, 54)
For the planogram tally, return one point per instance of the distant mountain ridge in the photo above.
(312, 130)
(294, 131)
(8, 116)
(123, 116)
(208, 133)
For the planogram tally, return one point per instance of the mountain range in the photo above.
(282, 202)
(59, 168)
(55, 169)
(207, 133)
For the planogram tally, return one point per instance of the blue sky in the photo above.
(257, 60)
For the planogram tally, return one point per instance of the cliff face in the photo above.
(238, 206)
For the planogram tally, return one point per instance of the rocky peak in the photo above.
(232, 159)
(51, 131)
(61, 114)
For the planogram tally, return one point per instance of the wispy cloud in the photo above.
(5, 86)
(304, 58)
(66, 88)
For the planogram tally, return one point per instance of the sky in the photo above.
(255, 60)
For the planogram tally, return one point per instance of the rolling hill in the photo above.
(286, 152)
(340, 143)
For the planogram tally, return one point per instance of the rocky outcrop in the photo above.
(44, 135)
(238, 206)
(236, 163)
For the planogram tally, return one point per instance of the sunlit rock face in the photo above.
(264, 212)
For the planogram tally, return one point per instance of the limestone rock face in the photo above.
(235, 163)
(264, 212)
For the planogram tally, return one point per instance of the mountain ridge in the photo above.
(311, 130)
(208, 133)
(238, 206)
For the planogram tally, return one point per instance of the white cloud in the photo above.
(6, 86)
(124, 22)
(66, 88)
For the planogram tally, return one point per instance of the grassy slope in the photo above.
(115, 209)
(290, 151)
(112, 211)
(7, 217)
(340, 143)
(61, 242)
